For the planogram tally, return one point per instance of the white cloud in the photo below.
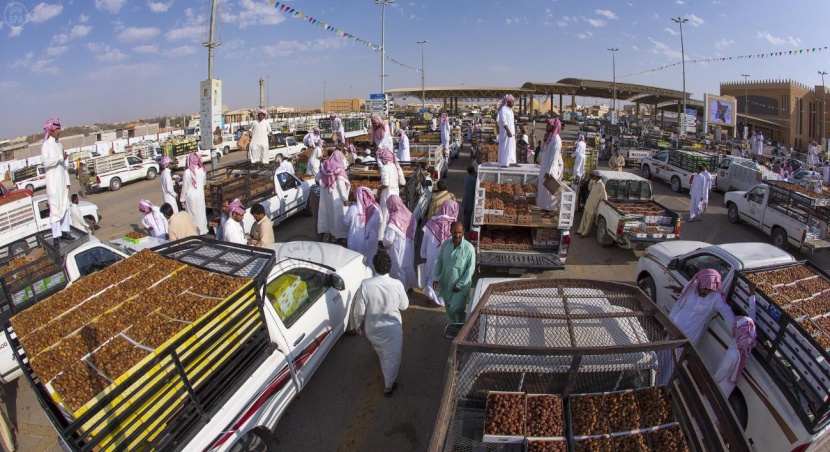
(106, 53)
(146, 49)
(43, 12)
(133, 34)
(15, 32)
(680, 2)
(635, 48)
(257, 13)
(39, 67)
(584, 35)
(695, 21)
(83, 18)
(9, 87)
(56, 50)
(565, 21)
(119, 71)
(78, 31)
(191, 32)
(110, 6)
(671, 31)
(516, 20)
(723, 43)
(595, 22)
(774, 40)
(159, 7)
(286, 48)
(662, 49)
(182, 51)
(24, 62)
(2, 24)
(607, 13)
(655, 16)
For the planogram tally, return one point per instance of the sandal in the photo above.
(389, 391)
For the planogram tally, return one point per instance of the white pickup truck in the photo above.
(291, 196)
(737, 173)
(22, 215)
(792, 215)
(238, 368)
(112, 171)
(283, 147)
(676, 166)
(779, 400)
(29, 178)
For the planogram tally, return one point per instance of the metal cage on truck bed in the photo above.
(578, 339)
(163, 401)
(798, 359)
(249, 182)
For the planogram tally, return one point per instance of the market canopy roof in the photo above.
(461, 92)
(625, 91)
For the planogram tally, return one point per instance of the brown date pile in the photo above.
(547, 446)
(655, 407)
(668, 439)
(505, 414)
(544, 416)
(630, 443)
(623, 414)
(593, 445)
(588, 415)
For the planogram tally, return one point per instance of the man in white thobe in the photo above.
(596, 187)
(734, 359)
(507, 132)
(313, 138)
(57, 181)
(444, 127)
(76, 218)
(436, 231)
(337, 127)
(233, 231)
(697, 304)
(699, 192)
(193, 191)
(579, 160)
(363, 220)
(377, 311)
(313, 165)
(551, 166)
(286, 167)
(403, 146)
(168, 190)
(260, 129)
(759, 143)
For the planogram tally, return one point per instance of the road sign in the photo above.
(378, 103)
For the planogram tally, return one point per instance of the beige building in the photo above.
(785, 111)
(344, 105)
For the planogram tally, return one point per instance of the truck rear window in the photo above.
(628, 190)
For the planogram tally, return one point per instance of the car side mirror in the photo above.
(673, 264)
(337, 282)
(428, 183)
(452, 330)
(746, 195)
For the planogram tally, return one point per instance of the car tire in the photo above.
(779, 238)
(226, 150)
(30, 187)
(151, 174)
(115, 184)
(18, 247)
(602, 233)
(307, 211)
(738, 403)
(675, 184)
(648, 287)
(646, 172)
(732, 214)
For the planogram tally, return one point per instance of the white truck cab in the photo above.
(36, 181)
(112, 171)
(291, 195)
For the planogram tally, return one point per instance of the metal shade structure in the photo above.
(460, 92)
(629, 92)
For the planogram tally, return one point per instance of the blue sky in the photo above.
(118, 60)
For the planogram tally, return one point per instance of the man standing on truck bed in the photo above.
(596, 187)
(444, 127)
(699, 192)
(337, 127)
(579, 160)
(550, 167)
(507, 132)
(453, 274)
(260, 129)
(377, 311)
(57, 181)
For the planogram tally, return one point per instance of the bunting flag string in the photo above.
(282, 7)
(730, 58)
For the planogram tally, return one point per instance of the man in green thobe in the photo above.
(454, 272)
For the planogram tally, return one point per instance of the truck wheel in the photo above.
(307, 211)
(779, 238)
(675, 184)
(732, 214)
(647, 286)
(151, 174)
(738, 403)
(278, 159)
(115, 184)
(226, 150)
(18, 247)
(646, 172)
(602, 233)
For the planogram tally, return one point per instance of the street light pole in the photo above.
(423, 86)
(383, 4)
(614, 69)
(680, 22)
(746, 106)
(324, 96)
(823, 111)
(267, 91)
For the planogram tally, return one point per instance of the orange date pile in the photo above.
(505, 414)
(84, 337)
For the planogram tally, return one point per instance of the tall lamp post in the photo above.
(823, 111)
(614, 72)
(746, 106)
(383, 4)
(680, 22)
(423, 86)
(324, 96)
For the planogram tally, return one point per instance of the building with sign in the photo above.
(344, 105)
(785, 111)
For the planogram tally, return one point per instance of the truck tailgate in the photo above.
(519, 261)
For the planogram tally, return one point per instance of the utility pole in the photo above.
(324, 97)
(261, 91)
(383, 4)
(614, 71)
(746, 106)
(680, 22)
(423, 86)
(210, 93)
(823, 112)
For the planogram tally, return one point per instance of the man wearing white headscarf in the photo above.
(436, 231)
(697, 304)
(337, 127)
(313, 138)
(579, 160)
(57, 180)
(381, 136)
(313, 165)
(551, 166)
(233, 231)
(734, 359)
(507, 132)
(260, 129)
(334, 197)
(193, 191)
(152, 219)
(444, 127)
(403, 146)
(168, 190)
(363, 220)
(286, 167)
